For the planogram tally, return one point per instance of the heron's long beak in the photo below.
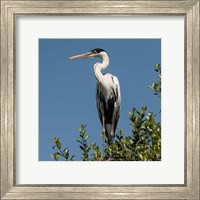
(85, 55)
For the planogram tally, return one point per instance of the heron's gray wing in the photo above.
(109, 107)
(105, 107)
(117, 95)
(98, 103)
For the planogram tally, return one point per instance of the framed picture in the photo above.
(36, 35)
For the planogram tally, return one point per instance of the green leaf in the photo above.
(58, 144)
(81, 147)
(56, 156)
(88, 149)
(72, 158)
(79, 141)
(86, 137)
(66, 151)
(82, 134)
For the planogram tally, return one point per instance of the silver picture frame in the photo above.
(189, 9)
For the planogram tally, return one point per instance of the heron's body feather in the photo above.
(108, 97)
(108, 100)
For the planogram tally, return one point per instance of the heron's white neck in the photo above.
(98, 67)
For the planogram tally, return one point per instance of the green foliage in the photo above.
(156, 87)
(60, 153)
(142, 144)
(85, 148)
(96, 155)
(146, 134)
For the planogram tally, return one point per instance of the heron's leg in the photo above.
(103, 134)
(112, 133)
(104, 128)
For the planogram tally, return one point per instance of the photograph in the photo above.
(81, 81)
(100, 99)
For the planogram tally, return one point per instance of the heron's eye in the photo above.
(94, 51)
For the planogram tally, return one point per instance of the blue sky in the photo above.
(67, 88)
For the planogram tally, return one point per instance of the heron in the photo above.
(108, 96)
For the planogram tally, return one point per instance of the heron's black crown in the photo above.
(97, 50)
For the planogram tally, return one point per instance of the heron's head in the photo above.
(94, 53)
